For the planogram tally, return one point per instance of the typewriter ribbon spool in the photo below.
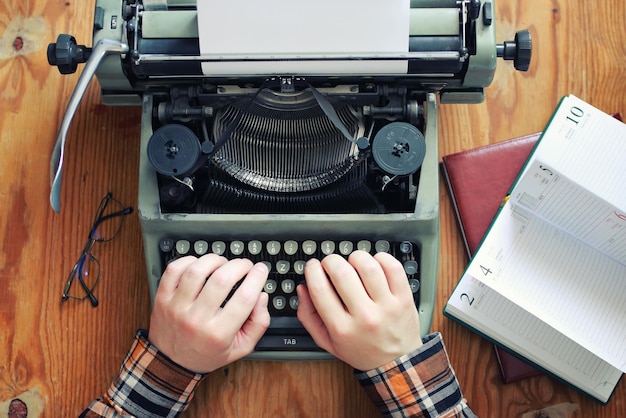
(399, 148)
(175, 150)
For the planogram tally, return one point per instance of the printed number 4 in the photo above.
(485, 270)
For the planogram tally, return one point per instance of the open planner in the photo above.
(548, 282)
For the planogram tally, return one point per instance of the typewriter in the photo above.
(283, 155)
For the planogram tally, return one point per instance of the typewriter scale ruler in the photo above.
(399, 148)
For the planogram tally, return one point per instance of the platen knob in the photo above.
(66, 54)
(519, 50)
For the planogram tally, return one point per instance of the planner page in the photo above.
(588, 147)
(493, 315)
(547, 193)
(571, 286)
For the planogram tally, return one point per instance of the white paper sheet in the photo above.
(277, 28)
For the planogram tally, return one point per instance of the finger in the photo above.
(327, 302)
(173, 273)
(253, 328)
(346, 281)
(396, 276)
(195, 276)
(372, 275)
(240, 306)
(310, 318)
(221, 282)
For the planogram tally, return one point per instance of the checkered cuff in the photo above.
(150, 384)
(420, 383)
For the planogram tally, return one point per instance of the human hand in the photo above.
(369, 317)
(189, 326)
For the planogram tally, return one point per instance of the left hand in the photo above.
(189, 326)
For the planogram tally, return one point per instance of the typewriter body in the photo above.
(281, 167)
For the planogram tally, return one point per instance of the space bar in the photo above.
(286, 343)
(285, 325)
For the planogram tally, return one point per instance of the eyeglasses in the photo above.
(106, 225)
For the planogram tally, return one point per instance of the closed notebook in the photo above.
(478, 180)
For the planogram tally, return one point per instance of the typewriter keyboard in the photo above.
(285, 260)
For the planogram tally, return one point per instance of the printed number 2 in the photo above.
(485, 270)
(470, 300)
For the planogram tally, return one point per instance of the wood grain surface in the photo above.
(57, 356)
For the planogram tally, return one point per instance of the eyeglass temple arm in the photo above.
(126, 211)
(90, 295)
(103, 47)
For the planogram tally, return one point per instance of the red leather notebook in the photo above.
(478, 180)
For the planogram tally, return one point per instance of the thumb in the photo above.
(255, 326)
(312, 321)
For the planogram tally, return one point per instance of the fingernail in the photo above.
(312, 261)
(262, 267)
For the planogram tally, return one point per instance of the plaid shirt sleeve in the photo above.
(149, 384)
(418, 384)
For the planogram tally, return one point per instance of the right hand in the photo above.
(361, 310)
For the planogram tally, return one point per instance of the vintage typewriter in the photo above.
(279, 164)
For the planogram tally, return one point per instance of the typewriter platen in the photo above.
(281, 167)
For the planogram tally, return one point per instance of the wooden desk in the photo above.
(57, 356)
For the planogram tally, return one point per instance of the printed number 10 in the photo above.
(575, 113)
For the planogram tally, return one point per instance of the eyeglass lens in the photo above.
(83, 278)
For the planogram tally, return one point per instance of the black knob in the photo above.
(474, 9)
(66, 54)
(519, 50)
